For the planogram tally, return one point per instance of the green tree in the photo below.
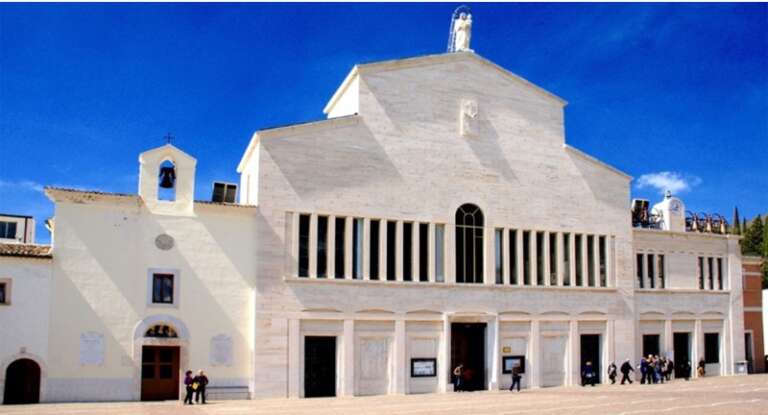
(753, 238)
(743, 226)
(735, 225)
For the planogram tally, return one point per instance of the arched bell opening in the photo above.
(166, 181)
(22, 382)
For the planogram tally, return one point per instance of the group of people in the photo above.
(654, 369)
(195, 385)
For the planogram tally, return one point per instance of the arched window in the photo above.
(469, 244)
(166, 181)
(162, 331)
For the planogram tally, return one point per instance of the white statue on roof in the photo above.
(462, 32)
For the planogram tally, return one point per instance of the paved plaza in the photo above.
(726, 395)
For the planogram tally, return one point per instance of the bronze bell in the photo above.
(167, 177)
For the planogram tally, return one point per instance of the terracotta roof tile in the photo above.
(26, 250)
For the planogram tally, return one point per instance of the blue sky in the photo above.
(675, 95)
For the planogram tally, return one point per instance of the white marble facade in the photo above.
(399, 146)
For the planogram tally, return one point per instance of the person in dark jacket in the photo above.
(516, 376)
(188, 385)
(687, 369)
(202, 381)
(701, 369)
(626, 367)
(588, 376)
(612, 372)
(644, 367)
(670, 369)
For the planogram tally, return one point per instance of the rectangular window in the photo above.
(591, 260)
(357, 248)
(712, 347)
(322, 246)
(711, 273)
(660, 270)
(3, 293)
(407, 251)
(162, 288)
(439, 255)
(8, 230)
(602, 254)
(499, 255)
(391, 250)
(579, 248)
(513, 277)
(639, 269)
(720, 273)
(567, 259)
(373, 253)
(526, 257)
(651, 271)
(539, 258)
(701, 273)
(303, 245)
(552, 259)
(339, 247)
(423, 252)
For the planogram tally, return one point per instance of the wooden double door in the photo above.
(159, 373)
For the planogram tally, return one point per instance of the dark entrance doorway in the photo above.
(682, 345)
(650, 344)
(319, 366)
(159, 373)
(22, 382)
(590, 352)
(468, 349)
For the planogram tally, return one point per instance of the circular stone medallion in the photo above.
(164, 242)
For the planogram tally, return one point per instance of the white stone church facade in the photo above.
(436, 218)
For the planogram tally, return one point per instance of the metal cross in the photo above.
(168, 138)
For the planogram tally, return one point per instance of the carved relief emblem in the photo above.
(468, 117)
(164, 242)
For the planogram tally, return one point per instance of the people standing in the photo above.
(701, 369)
(188, 380)
(202, 381)
(612, 372)
(626, 367)
(516, 377)
(643, 370)
(687, 369)
(670, 369)
(588, 375)
(458, 382)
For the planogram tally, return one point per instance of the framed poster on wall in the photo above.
(423, 367)
(509, 362)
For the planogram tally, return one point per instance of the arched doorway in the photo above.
(22, 382)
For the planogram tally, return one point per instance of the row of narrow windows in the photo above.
(710, 271)
(651, 271)
(540, 264)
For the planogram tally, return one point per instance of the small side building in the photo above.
(753, 314)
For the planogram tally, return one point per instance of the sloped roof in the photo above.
(431, 60)
(25, 250)
(85, 195)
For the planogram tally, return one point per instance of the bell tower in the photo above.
(167, 180)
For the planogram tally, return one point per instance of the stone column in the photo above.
(294, 358)
(669, 345)
(572, 257)
(399, 251)
(609, 352)
(535, 353)
(331, 247)
(572, 370)
(450, 254)
(444, 368)
(489, 255)
(313, 246)
(534, 263)
(726, 364)
(366, 249)
(696, 347)
(545, 255)
(431, 251)
(596, 260)
(519, 254)
(349, 228)
(505, 259)
(494, 353)
(400, 356)
(348, 353)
